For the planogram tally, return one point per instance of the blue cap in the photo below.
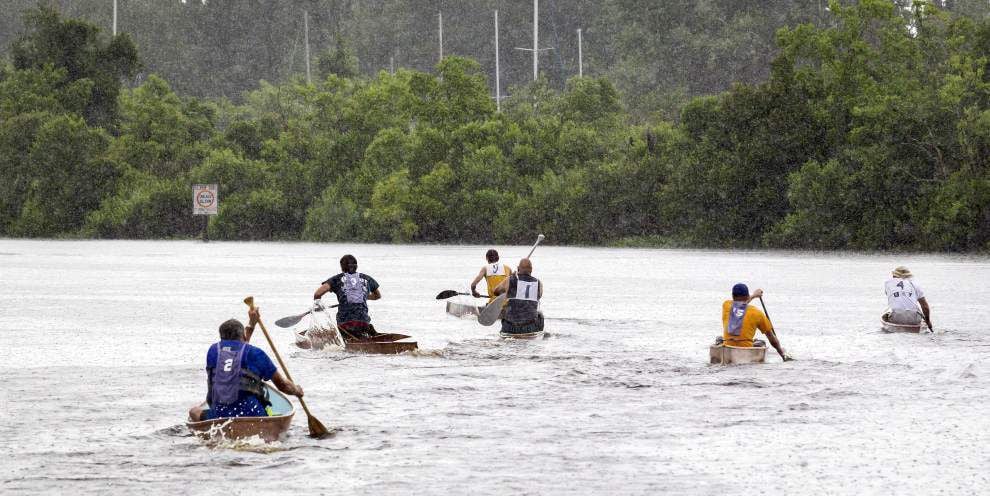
(740, 290)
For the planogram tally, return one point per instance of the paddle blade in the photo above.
(447, 294)
(316, 429)
(290, 320)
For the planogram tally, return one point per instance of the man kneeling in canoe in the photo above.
(235, 375)
(353, 290)
(522, 312)
(906, 300)
(740, 322)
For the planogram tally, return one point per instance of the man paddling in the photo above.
(353, 290)
(906, 300)
(236, 387)
(494, 273)
(522, 313)
(740, 321)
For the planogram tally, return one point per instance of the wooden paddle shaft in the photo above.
(249, 301)
(765, 312)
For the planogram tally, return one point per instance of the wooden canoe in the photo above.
(888, 326)
(379, 348)
(521, 335)
(269, 429)
(724, 355)
(381, 344)
(462, 310)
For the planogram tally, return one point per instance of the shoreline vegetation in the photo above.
(871, 132)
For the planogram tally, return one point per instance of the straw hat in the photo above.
(901, 272)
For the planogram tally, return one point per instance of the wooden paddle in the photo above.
(443, 295)
(783, 356)
(316, 428)
(294, 319)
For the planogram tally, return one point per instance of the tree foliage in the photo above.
(870, 129)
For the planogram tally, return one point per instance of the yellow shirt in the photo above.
(753, 320)
(495, 273)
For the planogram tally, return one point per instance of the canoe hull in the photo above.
(462, 310)
(726, 355)
(887, 326)
(382, 344)
(393, 348)
(521, 335)
(269, 429)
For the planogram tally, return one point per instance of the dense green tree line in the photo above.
(870, 133)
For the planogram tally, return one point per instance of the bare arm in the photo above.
(253, 318)
(375, 295)
(927, 312)
(320, 291)
(502, 287)
(285, 385)
(474, 283)
(756, 294)
(772, 337)
(539, 294)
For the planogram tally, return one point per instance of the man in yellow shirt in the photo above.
(740, 321)
(493, 273)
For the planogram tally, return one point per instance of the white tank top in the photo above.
(494, 269)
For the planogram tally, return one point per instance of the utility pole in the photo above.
(580, 56)
(309, 77)
(536, 40)
(440, 23)
(391, 64)
(498, 87)
(115, 17)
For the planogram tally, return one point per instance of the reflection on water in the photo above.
(104, 344)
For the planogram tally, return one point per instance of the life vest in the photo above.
(736, 315)
(524, 299)
(495, 273)
(229, 377)
(355, 288)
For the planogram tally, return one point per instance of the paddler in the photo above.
(353, 290)
(906, 300)
(522, 312)
(236, 388)
(740, 321)
(494, 273)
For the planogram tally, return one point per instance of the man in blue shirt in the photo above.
(235, 375)
(353, 291)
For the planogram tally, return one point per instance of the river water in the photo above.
(103, 345)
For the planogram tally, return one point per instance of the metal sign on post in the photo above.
(205, 199)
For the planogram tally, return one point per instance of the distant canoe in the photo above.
(725, 355)
(268, 429)
(888, 326)
(462, 310)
